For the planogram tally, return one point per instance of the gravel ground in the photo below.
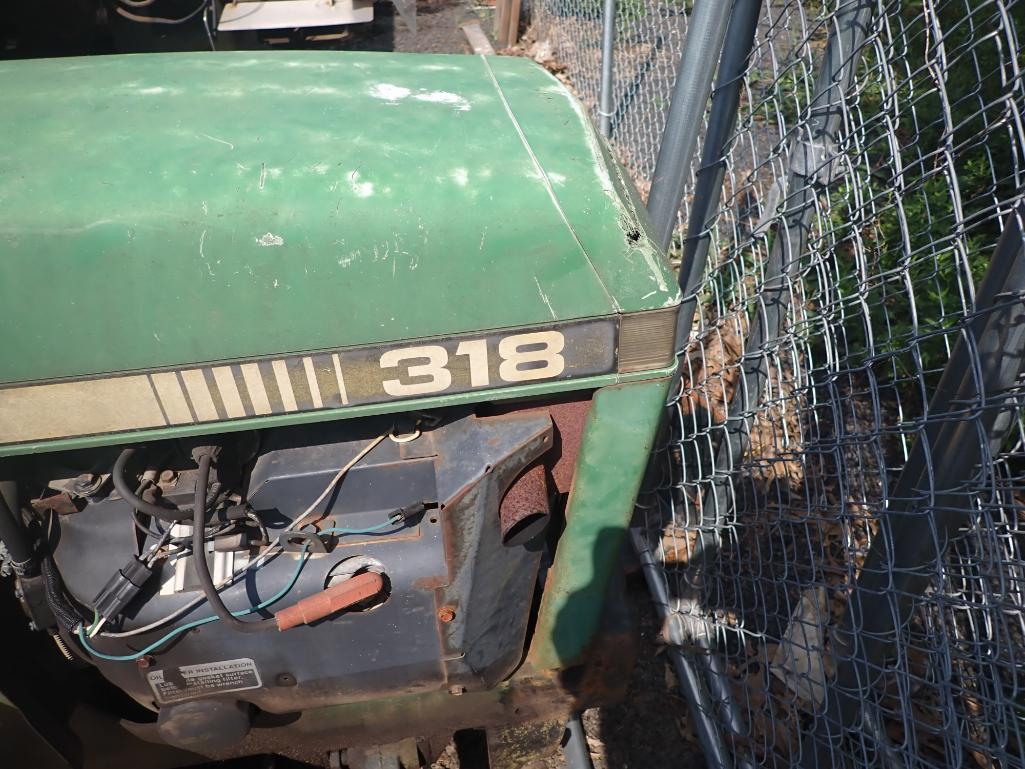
(438, 29)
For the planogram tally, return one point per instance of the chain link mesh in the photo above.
(840, 521)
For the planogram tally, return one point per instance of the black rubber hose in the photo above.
(169, 514)
(199, 558)
(16, 538)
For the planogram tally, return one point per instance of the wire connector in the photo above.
(121, 589)
(403, 514)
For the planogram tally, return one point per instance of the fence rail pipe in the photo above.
(701, 49)
(722, 121)
(691, 683)
(969, 414)
(810, 160)
(608, 45)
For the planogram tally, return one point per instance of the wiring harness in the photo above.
(140, 568)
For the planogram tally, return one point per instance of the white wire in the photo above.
(159, 19)
(300, 521)
(271, 549)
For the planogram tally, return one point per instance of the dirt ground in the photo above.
(649, 729)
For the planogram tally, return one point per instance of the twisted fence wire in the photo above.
(862, 586)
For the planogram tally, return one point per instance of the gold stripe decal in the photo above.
(284, 385)
(229, 392)
(199, 395)
(311, 377)
(254, 384)
(341, 380)
(59, 410)
(314, 381)
(172, 399)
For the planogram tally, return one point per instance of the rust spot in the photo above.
(446, 613)
(524, 509)
(61, 503)
(430, 582)
(570, 420)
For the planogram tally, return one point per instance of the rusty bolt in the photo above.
(457, 690)
(446, 613)
(167, 476)
(145, 661)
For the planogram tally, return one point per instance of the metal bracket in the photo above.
(297, 541)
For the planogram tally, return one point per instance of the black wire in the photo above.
(144, 528)
(168, 514)
(199, 558)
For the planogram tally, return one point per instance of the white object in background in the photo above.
(292, 14)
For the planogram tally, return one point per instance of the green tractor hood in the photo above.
(168, 210)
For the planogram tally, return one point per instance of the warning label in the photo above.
(190, 681)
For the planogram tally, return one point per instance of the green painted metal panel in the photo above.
(621, 427)
(605, 214)
(160, 210)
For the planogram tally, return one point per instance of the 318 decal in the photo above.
(520, 358)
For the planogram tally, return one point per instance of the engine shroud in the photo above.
(459, 600)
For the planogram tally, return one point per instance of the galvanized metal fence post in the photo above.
(732, 31)
(690, 96)
(722, 120)
(608, 44)
(970, 415)
(811, 163)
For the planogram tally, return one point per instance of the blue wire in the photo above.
(243, 612)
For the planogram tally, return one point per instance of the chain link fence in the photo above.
(838, 537)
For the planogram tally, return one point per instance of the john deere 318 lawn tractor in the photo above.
(327, 384)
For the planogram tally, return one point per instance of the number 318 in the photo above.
(524, 358)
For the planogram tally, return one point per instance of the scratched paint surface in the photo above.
(162, 210)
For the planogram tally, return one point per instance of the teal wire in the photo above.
(207, 620)
(195, 623)
(370, 530)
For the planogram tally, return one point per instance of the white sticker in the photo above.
(191, 681)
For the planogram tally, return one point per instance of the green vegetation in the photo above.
(953, 151)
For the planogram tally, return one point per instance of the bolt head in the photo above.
(145, 661)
